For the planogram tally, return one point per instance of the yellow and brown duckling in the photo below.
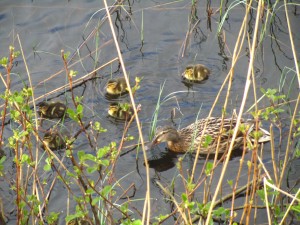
(54, 140)
(196, 73)
(52, 110)
(188, 138)
(122, 111)
(116, 86)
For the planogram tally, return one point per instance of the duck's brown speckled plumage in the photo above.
(188, 138)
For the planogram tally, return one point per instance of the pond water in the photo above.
(46, 27)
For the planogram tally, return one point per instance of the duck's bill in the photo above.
(153, 143)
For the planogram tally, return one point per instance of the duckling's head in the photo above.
(113, 110)
(111, 86)
(188, 72)
(43, 107)
(116, 86)
(165, 134)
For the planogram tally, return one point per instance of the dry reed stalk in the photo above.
(247, 86)
(292, 42)
(36, 178)
(147, 206)
(178, 207)
(94, 31)
(127, 125)
(75, 82)
(287, 152)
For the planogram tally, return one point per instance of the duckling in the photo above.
(189, 138)
(54, 140)
(196, 72)
(116, 86)
(52, 110)
(78, 221)
(120, 111)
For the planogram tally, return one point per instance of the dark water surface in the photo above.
(47, 27)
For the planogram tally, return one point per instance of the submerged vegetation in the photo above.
(44, 144)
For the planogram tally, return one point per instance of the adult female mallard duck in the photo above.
(196, 73)
(122, 111)
(116, 86)
(188, 138)
(52, 110)
(54, 140)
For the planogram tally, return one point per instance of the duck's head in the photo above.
(165, 134)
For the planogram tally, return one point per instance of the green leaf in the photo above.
(105, 162)
(106, 190)
(230, 182)
(66, 55)
(137, 222)
(89, 191)
(102, 152)
(208, 168)
(91, 169)
(4, 61)
(73, 73)
(47, 167)
(19, 99)
(90, 157)
(80, 155)
(261, 194)
(25, 158)
(221, 211)
(95, 200)
(2, 159)
(184, 197)
(79, 109)
(296, 208)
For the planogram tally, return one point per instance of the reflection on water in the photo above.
(162, 160)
